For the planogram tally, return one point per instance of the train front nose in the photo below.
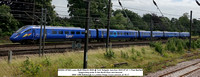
(13, 38)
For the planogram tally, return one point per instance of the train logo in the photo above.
(69, 36)
(27, 35)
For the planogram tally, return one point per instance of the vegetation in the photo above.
(151, 61)
(7, 22)
(98, 18)
(158, 47)
(109, 54)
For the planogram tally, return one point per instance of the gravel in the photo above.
(173, 68)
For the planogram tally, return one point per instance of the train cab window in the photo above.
(66, 32)
(54, 32)
(27, 30)
(78, 32)
(82, 32)
(60, 32)
(72, 32)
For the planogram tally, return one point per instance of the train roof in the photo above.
(117, 30)
(56, 27)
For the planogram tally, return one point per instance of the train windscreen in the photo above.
(22, 28)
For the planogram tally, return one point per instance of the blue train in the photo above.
(31, 34)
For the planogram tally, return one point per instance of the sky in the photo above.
(170, 8)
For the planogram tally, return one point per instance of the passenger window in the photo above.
(66, 32)
(77, 32)
(54, 32)
(82, 32)
(114, 33)
(60, 32)
(72, 32)
(126, 33)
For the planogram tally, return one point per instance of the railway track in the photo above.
(60, 48)
(184, 71)
(18, 49)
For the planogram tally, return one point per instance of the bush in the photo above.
(152, 44)
(193, 44)
(139, 54)
(30, 68)
(176, 45)
(143, 51)
(133, 50)
(109, 54)
(170, 45)
(124, 55)
(198, 43)
(133, 57)
(158, 47)
(46, 62)
(180, 46)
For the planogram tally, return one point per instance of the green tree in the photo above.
(51, 14)
(118, 21)
(185, 22)
(77, 11)
(7, 22)
(135, 19)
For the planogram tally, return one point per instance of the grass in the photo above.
(144, 57)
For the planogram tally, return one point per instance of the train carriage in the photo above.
(184, 34)
(145, 34)
(157, 34)
(171, 34)
(118, 34)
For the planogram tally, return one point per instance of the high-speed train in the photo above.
(31, 34)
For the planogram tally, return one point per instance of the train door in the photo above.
(102, 34)
(136, 34)
(33, 34)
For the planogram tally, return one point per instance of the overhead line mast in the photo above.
(108, 24)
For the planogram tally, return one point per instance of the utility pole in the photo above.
(44, 31)
(86, 33)
(151, 28)
(41, 23)
(108, 24)
(190, 29)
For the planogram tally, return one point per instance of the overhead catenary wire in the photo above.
(125, 12)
